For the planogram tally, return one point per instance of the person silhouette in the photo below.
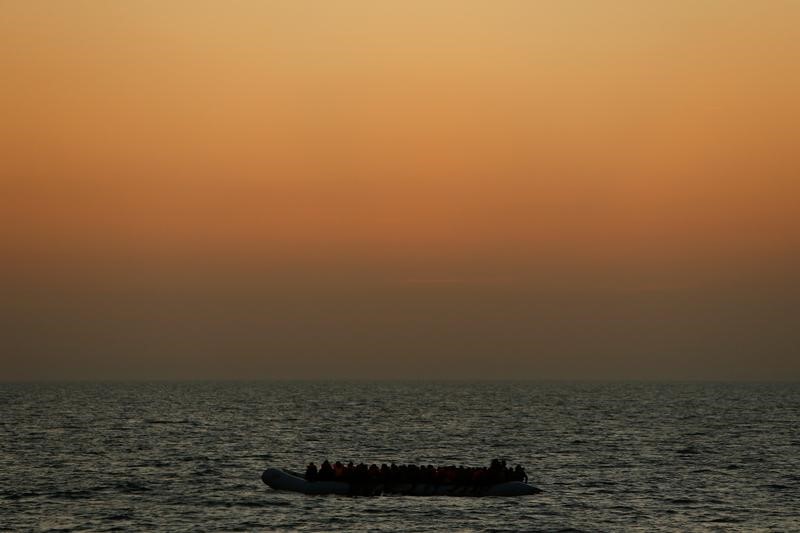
(311, 472)
(325, 471)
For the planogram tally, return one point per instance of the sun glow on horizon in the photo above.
(446, 148)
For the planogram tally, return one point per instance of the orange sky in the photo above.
(620, 146)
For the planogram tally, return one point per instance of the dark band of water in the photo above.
(173, 456)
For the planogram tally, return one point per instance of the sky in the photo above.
(412, 190)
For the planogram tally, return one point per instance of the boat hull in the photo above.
(279, 479)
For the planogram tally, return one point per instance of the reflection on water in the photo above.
(609, 456)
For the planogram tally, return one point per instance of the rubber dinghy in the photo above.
(280, 479)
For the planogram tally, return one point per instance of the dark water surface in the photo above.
(188, 456)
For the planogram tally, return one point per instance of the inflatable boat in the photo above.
(279, 479)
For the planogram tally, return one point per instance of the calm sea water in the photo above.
(188, 456)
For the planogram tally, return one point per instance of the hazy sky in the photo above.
(432, 189)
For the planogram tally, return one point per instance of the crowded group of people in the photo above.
(392, 474)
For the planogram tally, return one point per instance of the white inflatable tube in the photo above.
(282, 480)
(512, 488)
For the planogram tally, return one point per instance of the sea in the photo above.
(188, 456)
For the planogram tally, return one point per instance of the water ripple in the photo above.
(188, 456)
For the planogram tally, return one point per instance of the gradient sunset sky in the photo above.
(400, 189)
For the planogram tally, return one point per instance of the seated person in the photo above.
(325, 471)
(520, 474)
(311, 472)
(338, 471)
